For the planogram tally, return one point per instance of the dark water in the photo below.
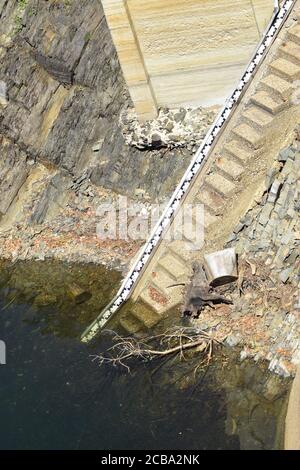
(52, 396)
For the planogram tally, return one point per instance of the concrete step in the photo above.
(267, 102)
(182, 222)
(154, 299)
(249, 135)
(231, 168)
(277, 86)
(209, 219)
(190, 227)
(235, 149)
(130, 324)
(291, 51)
(180, 249)
(160, 303)
(173, 266)
(219, 183)
(147, 316)
(210, 198)
(294, 34)
(161, 279)
(257, 117)
(285, 69)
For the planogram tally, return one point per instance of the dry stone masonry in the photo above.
(269, 235)
(272, 227)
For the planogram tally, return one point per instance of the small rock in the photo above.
(285, 274)
(265, 214)
(175, 138)
(156, 140)
(169, 126)
(178, 117)
(239, 227)
(285, 154)
(97, 146)
(3, 94)
(271, 175)
(139, 193)
(274, 191)
(244, 354)
(233, 340)
(231, 238)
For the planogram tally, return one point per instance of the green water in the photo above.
(52, 396)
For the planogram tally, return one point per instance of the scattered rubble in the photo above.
(270, 230)
(58, 223)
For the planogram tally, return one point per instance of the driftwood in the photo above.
(173, 341)
(198, 293)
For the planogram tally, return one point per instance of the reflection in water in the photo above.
(50, 286)
(53, 396)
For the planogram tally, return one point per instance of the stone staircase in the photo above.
(246, 141)
(138, 317)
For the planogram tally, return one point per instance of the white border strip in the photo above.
(190, 174)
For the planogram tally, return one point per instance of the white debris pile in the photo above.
(184, 127)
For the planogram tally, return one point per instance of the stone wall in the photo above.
(65, 120)
(64, 96)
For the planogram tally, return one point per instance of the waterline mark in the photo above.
(124, 220)
(2, 353)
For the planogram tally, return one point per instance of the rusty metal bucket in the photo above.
(221, 267)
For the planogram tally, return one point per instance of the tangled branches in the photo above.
(172, 341)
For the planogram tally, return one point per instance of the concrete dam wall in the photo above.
(184, 52)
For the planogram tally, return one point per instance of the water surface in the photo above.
(54, 397)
